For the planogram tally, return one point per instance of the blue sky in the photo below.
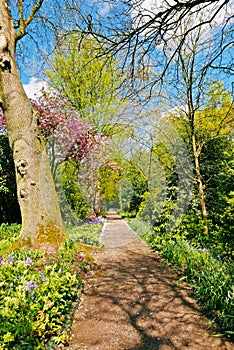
(33, 64)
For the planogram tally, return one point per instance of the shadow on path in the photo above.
(134, 302)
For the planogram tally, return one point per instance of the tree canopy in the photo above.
(88, 79)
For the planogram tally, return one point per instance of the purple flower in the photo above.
(1, 261)
(95, 220)
(18, 278)
(30, 286)
(203, 250)
(11, 259)
(29, 261)
(43, 277)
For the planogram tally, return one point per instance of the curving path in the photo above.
(134, 302)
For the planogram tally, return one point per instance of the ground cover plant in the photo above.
(210, 274)
(38, 295)
(35, 297)
(88, 232)
(8, 235)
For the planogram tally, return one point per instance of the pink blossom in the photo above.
(2, 122)
(62, 127)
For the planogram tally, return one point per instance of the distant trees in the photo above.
(86, 80)
(89, 79)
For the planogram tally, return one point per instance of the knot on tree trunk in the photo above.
(5, 61)
(22, 167)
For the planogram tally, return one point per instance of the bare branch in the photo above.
(23, 23)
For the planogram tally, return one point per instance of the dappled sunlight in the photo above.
(135, 302)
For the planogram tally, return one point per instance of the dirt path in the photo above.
(134, 302)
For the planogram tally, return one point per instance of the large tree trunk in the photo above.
(42, 225)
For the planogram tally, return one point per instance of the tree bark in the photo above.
(188, 77)
(97, 202)
(42, 225)
(200, 184)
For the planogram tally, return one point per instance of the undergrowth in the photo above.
(8, 235)
(87, 233)
(210, 275)
(38, 296)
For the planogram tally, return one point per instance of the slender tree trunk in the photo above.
(97, 202)
(42, 225)
(200, 184)
(120, 197)
(188, 70)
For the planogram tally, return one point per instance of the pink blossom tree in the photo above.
(68, 137)
(71, 139)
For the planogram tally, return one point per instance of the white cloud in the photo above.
(34, 87)
(146, 10)
(151, 5)
(104, 9)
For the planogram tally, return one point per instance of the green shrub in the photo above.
(37, 296)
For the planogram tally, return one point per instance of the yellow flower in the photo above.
(8, 337)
